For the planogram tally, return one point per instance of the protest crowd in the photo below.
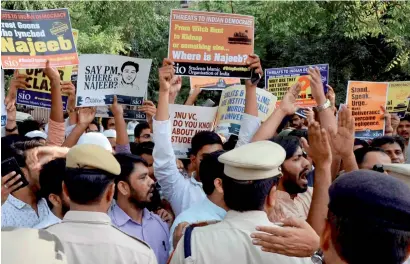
(292, 185)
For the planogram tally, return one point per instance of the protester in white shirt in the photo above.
(179, 191)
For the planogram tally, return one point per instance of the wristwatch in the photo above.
(318, 257)
(324, 106)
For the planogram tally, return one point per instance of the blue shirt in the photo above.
(199, 212)
(152, 230)
(51, 219)
(16, 213)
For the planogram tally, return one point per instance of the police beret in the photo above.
(92, 157)
(371, 197)
(255, 161)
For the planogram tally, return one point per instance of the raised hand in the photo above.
(342, 140)
(86, 115)
(316, 86)
(253, 62)
(288, 103)
(116, 108)
(331, 95)
(52, 74)
(318, 147)
(176, 84)
(388, 128)
(310, 115)
(395, 121)
(68, 88)
(18, 81)
(166, 74)
(149, 108)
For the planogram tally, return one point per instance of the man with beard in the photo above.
(134, 191)
(51, 179)
(293, 195)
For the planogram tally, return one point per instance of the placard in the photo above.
(211, 83)
(38, 94)
(3, 106)
(210, 44)
(365, 100)
(186, 121)
(279, 80)
(100, 77)
(30, 38)
(232, 107)
(128, 114)
(398, 98)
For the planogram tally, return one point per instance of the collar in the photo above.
(218, 210)
(87, 217)
(256, 217)
(195, 182)
(16, 202)
(120, 218)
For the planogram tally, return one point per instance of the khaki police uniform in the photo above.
(399, 171)
(89, 237)
(23, 245)
(229, 241)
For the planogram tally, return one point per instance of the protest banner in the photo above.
(186, 121)
(128, 114)
(100, 77)
(279, 80)
(3, 106)
(211, 83)
(38, 93)
(232, 106)
(210, 44)
(398, 98)
(29, 38)
(365, 99)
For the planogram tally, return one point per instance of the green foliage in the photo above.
(361, 40)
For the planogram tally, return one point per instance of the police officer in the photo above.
(86, 231)
(252, 173)
(368, 220)
(23, 245)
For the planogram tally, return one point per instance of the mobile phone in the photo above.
(209, 103)
(255, 77)
(10, 165)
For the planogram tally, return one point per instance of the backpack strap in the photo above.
(187, 241)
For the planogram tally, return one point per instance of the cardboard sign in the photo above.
(211, 83)
(3, 106)
(232, 106)
(279, 80)
(29, 38)
(398, 98)
(100, 77)
(186, 121)
(210, 44)
(365, 99)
